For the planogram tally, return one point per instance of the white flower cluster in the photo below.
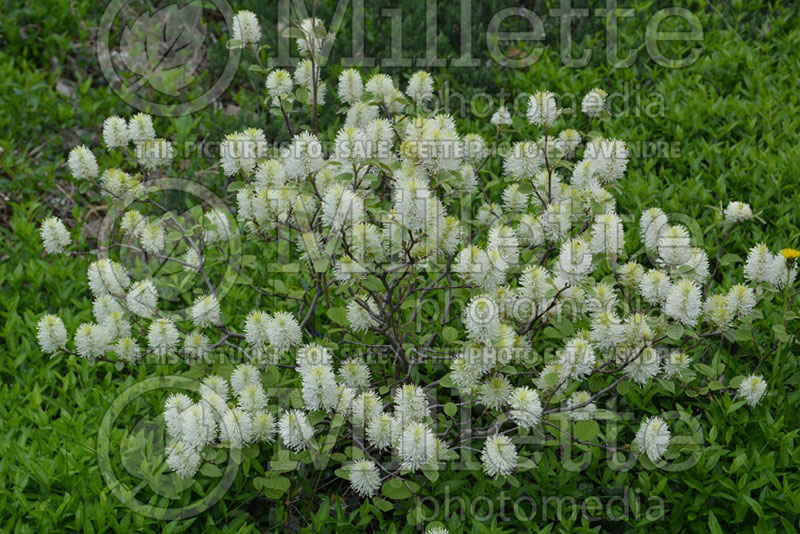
(376, 221)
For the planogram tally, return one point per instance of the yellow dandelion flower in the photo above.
(790, 253)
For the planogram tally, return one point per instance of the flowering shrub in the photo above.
(404, 254)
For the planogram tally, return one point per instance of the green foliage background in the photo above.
(734, 116)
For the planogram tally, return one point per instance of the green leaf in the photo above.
(210, 470)
(713, 524)
(275, 487)
(382, 504)
(395, 489)
(339, 316)
(449, 334)
(675, 332)
(234, 44)
(585, 430)
(450, 409)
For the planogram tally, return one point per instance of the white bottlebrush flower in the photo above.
(420, 87)
(655, 286)
(752, 388)
(174, 407)
(345, 396)
(675, 364)
(579, 408)
(82, 163)
(142, 299)
(55, 235)
(279, 85)
(574, 261)
(410, 403)
(416, 446)
(217, 227)
(154, 153)
(252, 398)
(652, 224)
(244, 375)
(699, 265)
(673, 246)
(295, 430)
(568, 141)
(530, 230)
(115, 132)
(524, 160)
(205, 311)
(577, 360)
(738, 212)
(495, 392)
(51, 333)
(381, 86)
(270, 174)
(482, 319)
(196, 345)
(341, 208)
(360, 115)
(364, 477)
(351, 86)
(140, 128)
(132, 223)
(91, 340)
(162, 337)
(264, 427)
(127, 349)
(366, 407)
(630, 274)
(236, 428)
(542, 109)
(653, 437)
(780, 275)
(183, 459)
(499, 456)
(609, 156)
(472, 263)
(304, 156)
(514, 200)
(683, 302)
(437, 530)
(255, 328)
(501, 117)
(153, 238)
(741, 300)
(503, 239)
(214, 384)
(354, 373)
(593, 103)
(116, 325)
(319, 388)
(238, 153)
(526, 408)
(607, 330)
(246, 28)
(383, 431)
(604, 299)
(465, 375)
(283, 331)
(198, 426)
(644, 367)
(474, 150)
(717, 312)
(191, 260)
(311, 355)
(608, 237)
(757, 265)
